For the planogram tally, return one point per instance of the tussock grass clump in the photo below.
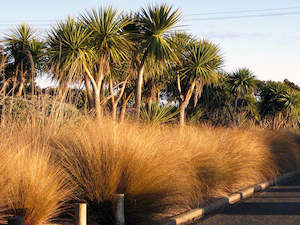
(284, 145)
(107, 158)
(5, 159)
(36, 187)
(162, 170)
(225, 160)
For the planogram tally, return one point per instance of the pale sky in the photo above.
(267, 45)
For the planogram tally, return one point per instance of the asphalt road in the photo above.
(278, 205)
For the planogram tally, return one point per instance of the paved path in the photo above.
(279, 205)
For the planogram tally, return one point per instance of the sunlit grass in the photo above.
(163, 170)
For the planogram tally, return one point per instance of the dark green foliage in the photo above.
(277, 98)
(158, 114)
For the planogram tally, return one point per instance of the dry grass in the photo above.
(36, 186)
(107, 158)
(162, 170)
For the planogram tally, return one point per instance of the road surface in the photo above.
(279, 205)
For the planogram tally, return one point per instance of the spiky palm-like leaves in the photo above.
(18, 42)
(279, 103)
(85, 48)
(201, 60)
(69, 51)
(156, 114)
(110, 42)
(241, 82)
(107, 33)
(25, 53)
(277, 97)
(154, 24)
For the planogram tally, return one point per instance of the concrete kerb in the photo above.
(196, 214)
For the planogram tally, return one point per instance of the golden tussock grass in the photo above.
(162, 170)
(107, 158)
(35, 186)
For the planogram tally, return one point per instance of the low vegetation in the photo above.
(163, 170)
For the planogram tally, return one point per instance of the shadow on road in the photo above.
(265, 208)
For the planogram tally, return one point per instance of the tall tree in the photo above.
(118, 80)
(279, 102)
(152, 25)
(200, 62)
(241, 83)
(24, 52)
(110, 43)
(69, 50)
(86, 48)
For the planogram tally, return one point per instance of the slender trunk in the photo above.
(236, 110)
(123, 107)
(123, 111)
(88, 92)
(179, 87)
(184, 103)
(62, 89)
(21, 85)
(102, 92)
(114, 112)
(235, 104)
(152, 92)
(230, 113)
(115, 101)
(198, 92)
(32, 70)
(182, 115)
(139, 86)
(158, 96)
(96, 84)
(4, 87)
(97, 103)
(14, 84)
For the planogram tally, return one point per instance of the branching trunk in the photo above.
(123, 108)
(184, 103)
(32, 70)
(88, 91)
(62, 90)
(115, 101)
(139, 86)
(102, 92)
(22, 81)
(96, 84)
